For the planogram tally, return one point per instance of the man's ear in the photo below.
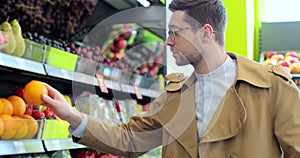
(207, 33)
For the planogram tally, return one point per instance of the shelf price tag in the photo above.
(137, 91)
(19, 146)
(100, 79)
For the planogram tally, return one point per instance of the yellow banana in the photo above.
(68, 99)
(10, 45)
(20, 42)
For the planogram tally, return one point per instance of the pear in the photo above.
(10, 45)
(20, 42)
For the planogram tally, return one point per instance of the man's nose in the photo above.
(169, 42)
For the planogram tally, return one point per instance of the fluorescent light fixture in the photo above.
(144, 3)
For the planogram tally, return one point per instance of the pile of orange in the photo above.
(14, 123)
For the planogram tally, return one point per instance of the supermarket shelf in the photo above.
(127, 88)
(11, 147)
(61, 144)
(10, 61)
(296, 76)
(70, 75)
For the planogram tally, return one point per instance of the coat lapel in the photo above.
(227, 121)
(182, 126)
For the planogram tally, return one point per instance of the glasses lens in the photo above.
(171, 34)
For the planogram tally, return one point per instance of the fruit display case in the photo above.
(289, 59)
(59, 64)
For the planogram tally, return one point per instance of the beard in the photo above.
(182, 60)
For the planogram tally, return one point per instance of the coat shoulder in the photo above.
(175, 82)
(281, 72)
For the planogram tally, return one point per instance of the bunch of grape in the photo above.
(59, 19)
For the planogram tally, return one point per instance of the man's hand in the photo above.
(61, 108)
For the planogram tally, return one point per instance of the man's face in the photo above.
(183, 39)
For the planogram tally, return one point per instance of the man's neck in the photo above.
(208, 64)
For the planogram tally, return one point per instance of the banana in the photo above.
(10, 45)
(68, 99)
(20, 42)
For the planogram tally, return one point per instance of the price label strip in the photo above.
(19, 146)
(137, 91)
(100, 79)
(56, 144)
(21, 63)
(1, 60)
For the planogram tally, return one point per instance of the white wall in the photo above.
(171, 66)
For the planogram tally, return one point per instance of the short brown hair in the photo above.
(211, 12)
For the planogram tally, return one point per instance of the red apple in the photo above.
(28, 109)
(126, 35)
(291, 53)
(292, 59)
(269, 54)
(120, 44)
(20, 92)
(284, 63)
(37, 114)
(48, 113)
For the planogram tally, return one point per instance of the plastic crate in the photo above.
(55, 129)
(61, 59)
(34, 51)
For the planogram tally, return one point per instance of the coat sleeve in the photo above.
(133, 139)
(285, 109)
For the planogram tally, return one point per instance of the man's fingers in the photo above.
(48, 100)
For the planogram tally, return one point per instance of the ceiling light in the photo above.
(144, 3)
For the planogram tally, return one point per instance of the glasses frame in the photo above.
(173, 33)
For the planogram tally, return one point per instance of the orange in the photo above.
(33, 91)
(10, 127)
(1, 127)
(18, 104)
(22, 127)
(7, 106)
(1, 106)
(32, 126)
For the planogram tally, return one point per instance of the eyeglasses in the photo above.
(173, 33)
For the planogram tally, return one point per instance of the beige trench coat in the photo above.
(258, 118)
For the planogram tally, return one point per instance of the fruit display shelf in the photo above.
(51, 135)
(290, 59)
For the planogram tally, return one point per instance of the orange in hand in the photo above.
(33, 91)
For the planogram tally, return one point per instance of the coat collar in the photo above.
(251, 71)
(248, 71)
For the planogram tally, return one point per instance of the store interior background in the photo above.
(245, 20)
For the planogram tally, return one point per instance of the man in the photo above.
(229, 107)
